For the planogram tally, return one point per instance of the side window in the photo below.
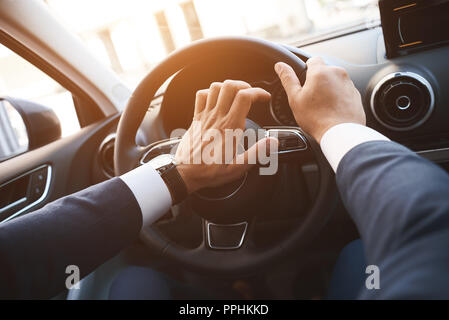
(21, 80)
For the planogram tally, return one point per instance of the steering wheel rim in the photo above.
(127, 155)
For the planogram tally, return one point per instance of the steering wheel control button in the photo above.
(402, 101)
(290, 139)
(226, 236)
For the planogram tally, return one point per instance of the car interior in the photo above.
(261, 237)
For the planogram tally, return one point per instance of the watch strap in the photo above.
(175, 184)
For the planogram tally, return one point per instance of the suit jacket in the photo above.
(84, 229)
(399, 202)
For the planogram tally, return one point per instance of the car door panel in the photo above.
(58, 169)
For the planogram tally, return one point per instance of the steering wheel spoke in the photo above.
(293, 143)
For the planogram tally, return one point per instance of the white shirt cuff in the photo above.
(340, 139)
(150, 191)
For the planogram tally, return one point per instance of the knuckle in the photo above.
(243, 95)
(340, 71)
(215, 85)
(235, 84)
(202, 93)
(229, 82)
(244, 85)
(321, 73)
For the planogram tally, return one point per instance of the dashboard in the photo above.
(415, 82)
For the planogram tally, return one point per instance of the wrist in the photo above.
(341, 138)
(165, 165)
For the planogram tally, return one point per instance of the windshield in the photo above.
(131, 36)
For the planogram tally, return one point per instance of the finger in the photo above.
(212, 97)
(288, 77)
(315, 62)
(200, 100)
(243, 101)
(228, 93)
(250, 157)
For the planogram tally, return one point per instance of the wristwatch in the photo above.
(166, 166)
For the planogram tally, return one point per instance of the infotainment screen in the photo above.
(409, 26)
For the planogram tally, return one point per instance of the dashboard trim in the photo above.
(435, 155)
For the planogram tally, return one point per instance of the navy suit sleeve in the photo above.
(84, 229)
(400, 204)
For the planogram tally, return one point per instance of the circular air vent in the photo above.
(402, 101)
(106, 155)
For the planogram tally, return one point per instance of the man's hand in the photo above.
(222, 106)
(328, 97)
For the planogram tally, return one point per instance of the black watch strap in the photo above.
(175, 184)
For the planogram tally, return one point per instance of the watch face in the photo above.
(161, 161)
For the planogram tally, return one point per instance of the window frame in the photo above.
(86, 109)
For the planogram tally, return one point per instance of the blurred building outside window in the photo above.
(137, 34)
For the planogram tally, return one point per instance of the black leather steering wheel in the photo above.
(243, 257)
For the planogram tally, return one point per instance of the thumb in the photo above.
(288, 77)
(251, 157)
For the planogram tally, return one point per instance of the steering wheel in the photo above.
(227, 211)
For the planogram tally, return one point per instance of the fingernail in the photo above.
(278, 67)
